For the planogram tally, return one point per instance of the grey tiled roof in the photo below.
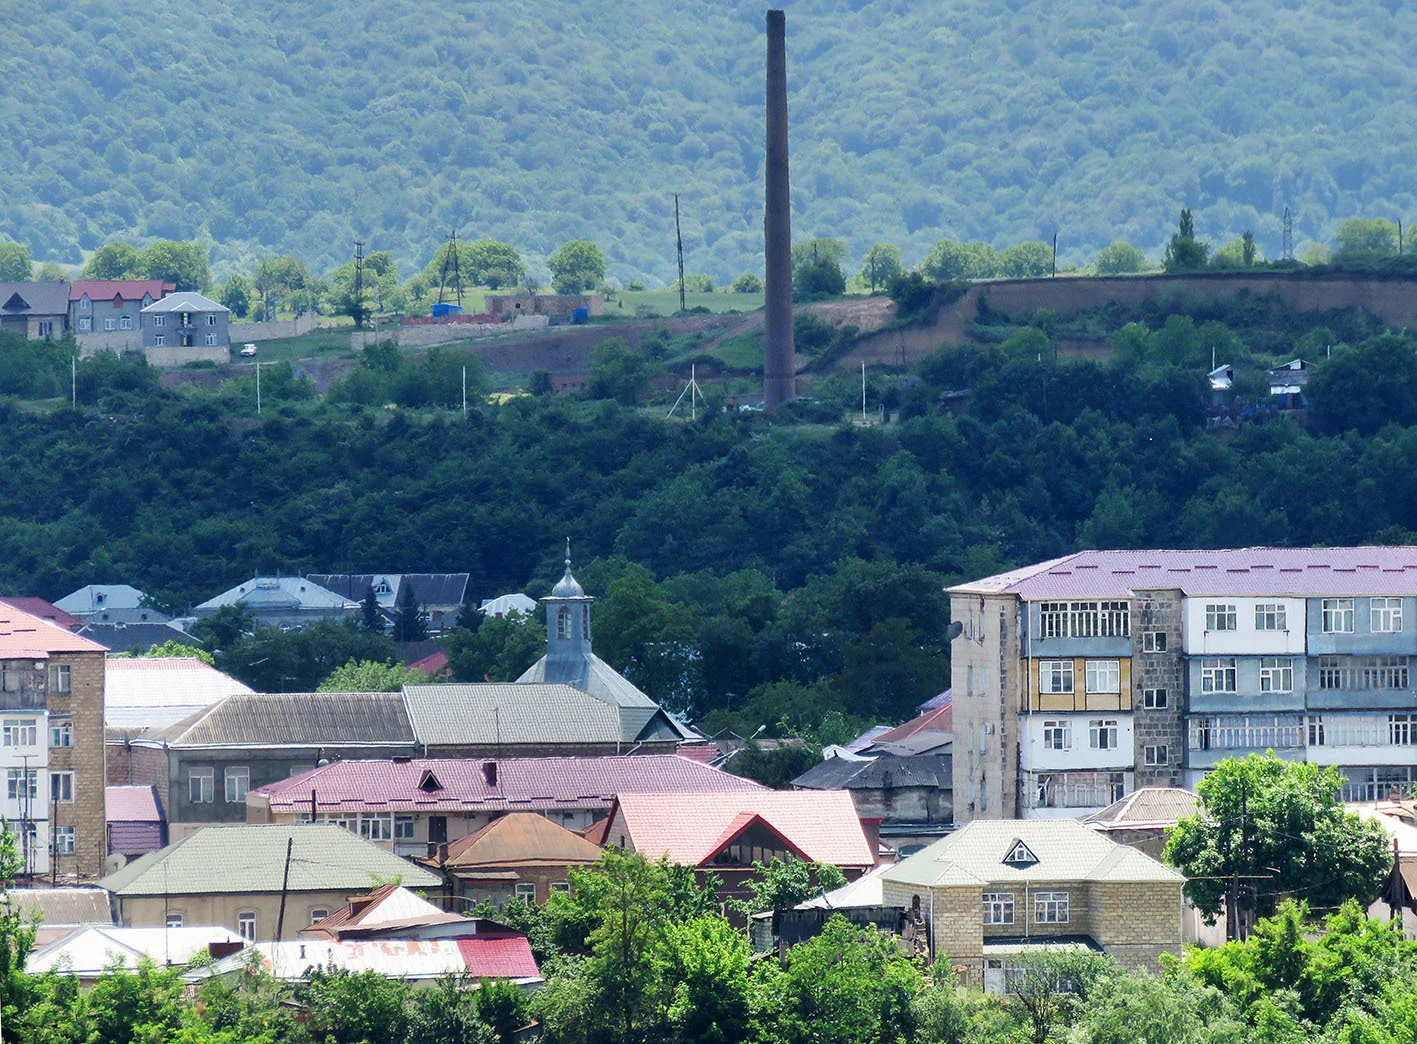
(1147, 807)
(926, 770)
(512, 713)
(251, 858)
(297, 719)
(42, 298)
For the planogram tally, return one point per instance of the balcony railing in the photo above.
(1246, 735)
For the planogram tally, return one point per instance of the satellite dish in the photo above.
(953, 631)
(117, 861)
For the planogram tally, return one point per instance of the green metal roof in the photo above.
(245, 858)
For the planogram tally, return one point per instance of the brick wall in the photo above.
(1136, 921)
(132, 765)
(1158, 611)
(84, 703)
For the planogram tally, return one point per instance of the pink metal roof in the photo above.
(1293, 571)
(690, 828)
(128, 289)
(28, 637)
(45, 611)
(938, 720)
(498, 958)
(526, 784)
(131, 805)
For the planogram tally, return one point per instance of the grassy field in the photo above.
(318, 344)
(629, 303)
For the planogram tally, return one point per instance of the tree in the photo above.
(1247, 248)
(16, 933)
(783, 883)
(496, 265)
(272, 660)
(14, 263)
(881, 265)
(225, 627)
(747, 283)
(618, 372)
(1027, 260)
(949, 259)
(706, 973)
(1265, 815)
(184, 264)
(172, 648)
(1366, 237)
(1183, 253)
(1366, 387)
(236, 295)
(577, 267)
(277, 276)
(410, 620)
(1047, 987)
(116, 260)
(369, 676)
(1119, 258)
(497, 650)
(371, 618)
(817, 269)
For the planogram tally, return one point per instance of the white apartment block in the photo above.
(1080, 679)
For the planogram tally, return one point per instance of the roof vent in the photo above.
(489, 772)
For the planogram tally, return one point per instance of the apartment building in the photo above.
(51, 746)
(1080, 679)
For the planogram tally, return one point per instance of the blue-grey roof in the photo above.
(186, 301)
(95, 597)
(34, 298)
(640, 716)
(279, 593)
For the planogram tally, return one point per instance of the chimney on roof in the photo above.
(489, 772)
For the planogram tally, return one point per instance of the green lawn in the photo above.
(318, 344)
(628, 303)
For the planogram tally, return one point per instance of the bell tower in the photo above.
(567, 628)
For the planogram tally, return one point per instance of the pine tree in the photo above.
(410, 621)
(369, 616)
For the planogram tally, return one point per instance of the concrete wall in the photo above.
(544, 304)
(243, 332)
(986, 674)
(116, 341)
(1159, 611)
(444, 333)
(174, 355)
(224, 910)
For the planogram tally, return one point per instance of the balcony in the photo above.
(1076, 789)
(1250, 733)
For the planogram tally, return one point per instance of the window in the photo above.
(1401, 729)
(174, 920)
(246, 926)
(319, 913)
(403, 828)
(21, 783)
(1054, 619)
(20, 732)
(11, 676)
(1271, 616)
(159, 320)
(61, 732)
(211, 338)
(1153, 699)
(85, 324)
(438, 829)
(1084, 619)
(1363, 672)
(998, 907)
(238, 781)
(1102, 733)
(85, 304)
(563, 887)
(1058, 735)
(1218, 675)
(563, 622)
(159, 340)
(211, 319)
(61, 787)
(1316, 730)
(110, 323)
(1115, 621)
(376, 828)
(1153, 641)
(526, 890)
(1220, 617)
(1155, 755)
(1386, 615)
(1276, 674)
(46, 328)
(125, 322)
(1055, 676)
(1050, 908)
(60, 679)
(1337, 616)
(1104, 676)
(64, 840)
(200, 786)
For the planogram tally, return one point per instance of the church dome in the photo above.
(568, 587)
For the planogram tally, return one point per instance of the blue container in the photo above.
(580, 315)
(440, 310)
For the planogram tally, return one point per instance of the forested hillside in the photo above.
(286, 128)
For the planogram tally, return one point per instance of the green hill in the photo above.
(297, 127)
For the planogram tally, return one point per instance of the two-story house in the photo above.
(106, 314)
(186, 327)
(1078, 679)
(34, 310)
(51, 745)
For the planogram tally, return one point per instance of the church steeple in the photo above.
(567, 627)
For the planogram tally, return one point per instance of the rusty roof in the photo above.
(520, 839)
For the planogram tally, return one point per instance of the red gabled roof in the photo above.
(521, 839)
(127, 289)
(939, 720)
(23, 636)
(435, 665)
(498, 958)
(45, 611)
(690, 829)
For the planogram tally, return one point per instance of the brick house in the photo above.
(186, 327)
(34, 310)
(51, 712)
(998, 888)
(522, 854)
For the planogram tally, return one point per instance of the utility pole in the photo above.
(284, 886)
(258, 387)
(679, 242)
(1055, 254)
(359, 284)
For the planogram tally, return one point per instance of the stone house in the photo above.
(520, 855)
(996, 889)
(186, 327)
(34, 310)
(106, 314)
(282, 601)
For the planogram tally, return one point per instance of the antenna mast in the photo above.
(679, 242)
(691, 390)
(451, 257)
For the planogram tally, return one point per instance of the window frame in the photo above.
(1093, 680)
(201, 784)
(1153, 699)
(61, 733)
(1334, 614)
(1103, 734)
(1156, 756)
(1222, 616)
(1401, 729)
(1271, 616)
(524, 890)
(1057, 672)
(159, 341)
(233, 774)
(125, 322)
(21, 726)
(405, 828)
(246, 925)
(173, 920)
(1219, 675)
(14, 777)
(1055, 729)
(61, 782)
(1051, 908)
(1276, 674)
(1389, 613)
(1153, 641)
(998, 908)
(64, 841)
(61, 679)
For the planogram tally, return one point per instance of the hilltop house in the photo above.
(106, 314)
(95, 599)
(282, 601)
(185, 327)
(34, 310)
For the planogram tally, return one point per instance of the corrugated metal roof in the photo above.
(298, 719)
(520, 839)
(510, 713)
(186, 301)
(523, 784)
(93, 597)
(45, 611)
(412, 959)
(599, 679)
(27, 637)
(939, 719)
(278, 592)
(885, 771)
(133, 637)
(1295, 571)
(63, 906)
(88, 951)
(251, 858)
(691, 828)
(127, 289)
(430, 589)
(165, 681)
(1067, 851)
(1147, 807)
(132, 804)
(40, 298)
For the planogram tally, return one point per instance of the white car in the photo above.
(248, 350)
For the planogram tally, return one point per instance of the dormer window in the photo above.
(382, 587)
(1020, 857)
(429, 783)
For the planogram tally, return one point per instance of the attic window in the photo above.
(1020, 856)
(382, 587)
(429, 782)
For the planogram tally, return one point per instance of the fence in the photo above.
(297, 327)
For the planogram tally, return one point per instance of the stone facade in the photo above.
(225, 909)
(1159, 687)
(986, 673)
(83, 703)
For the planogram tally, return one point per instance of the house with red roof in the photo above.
(521, 855)
(727, 833)
(106, 314)
(45, 611)
(407, 805)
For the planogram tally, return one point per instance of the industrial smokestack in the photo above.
(778, 382)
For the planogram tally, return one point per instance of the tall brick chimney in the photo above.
(778, 382)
